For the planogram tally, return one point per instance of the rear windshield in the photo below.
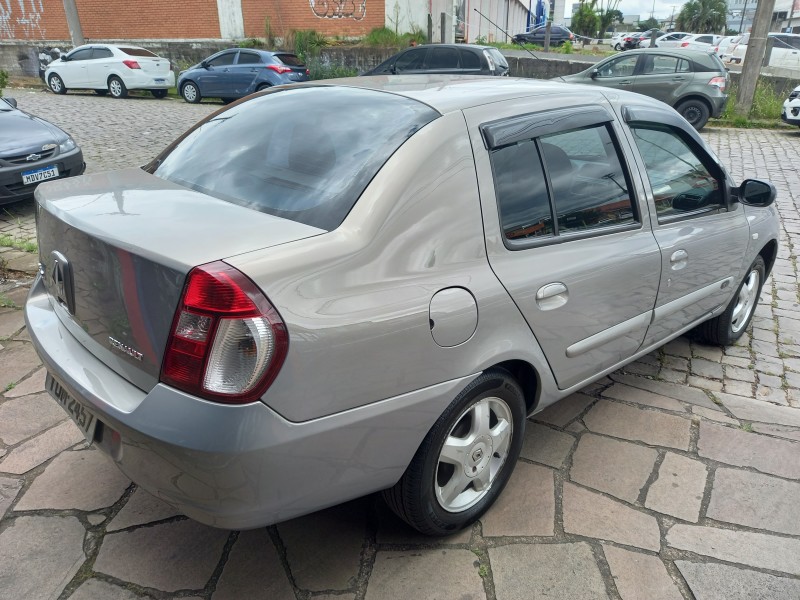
(289, 59)
(138, 52)
(304, 154)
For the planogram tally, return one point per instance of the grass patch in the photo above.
(383, 37)
(6, 302)
(748, 427)
(3, 81)
(25, 245)
(767, 105)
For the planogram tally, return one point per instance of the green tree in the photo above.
(585, 20)
(702, 16)
(650, 23)
(3, 81)
(608, 13)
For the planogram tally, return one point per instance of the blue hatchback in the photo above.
(237, 72)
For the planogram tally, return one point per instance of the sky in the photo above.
(663, 8)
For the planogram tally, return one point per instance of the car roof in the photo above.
(472, 46)
(682, 52)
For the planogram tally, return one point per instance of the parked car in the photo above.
(671, 40)
(635, 40)
(558, 35)
(106, 68)
(785, 52)
(691, 81)
(705, 42)
(723, 47)
(449, 59)
(324, 291)
(790, 113)
(31, 151)
(237, 72)
(616, 40)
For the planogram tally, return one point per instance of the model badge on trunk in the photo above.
(126, 349)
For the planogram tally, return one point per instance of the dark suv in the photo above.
(447, 59)
(558, 35)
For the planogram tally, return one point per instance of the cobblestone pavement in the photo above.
(676, 477)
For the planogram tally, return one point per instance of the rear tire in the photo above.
(159, 94)
(728, 327)
(56, 84)
(695, 111)
(466, 459)
(117, 88)
(617, 47)
(262, 87)
(191, 93)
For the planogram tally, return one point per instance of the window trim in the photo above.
(529, 126)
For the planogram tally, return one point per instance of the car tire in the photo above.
(438, 494)
(101, 92)
(117, 88)
(262, 87)
(695, 111)
(56, 84)
(191, 93)
(728, 327)
(159, 94)
(617, 47)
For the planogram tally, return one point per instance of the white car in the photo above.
(791, 108)
(671, 40)
(700, 41)
(725, 46)
(616, 40)
(106, 68)
(785, 50)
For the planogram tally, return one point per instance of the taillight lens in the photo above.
(684, 44)
(719, 82)
(131, 64)
(280, 69)
(227, 342)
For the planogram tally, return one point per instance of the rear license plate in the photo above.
(81, 415)
(159, 80)
(38, 175)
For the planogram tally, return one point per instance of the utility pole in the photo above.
(754, 56)
(741, 21)
(74, 23)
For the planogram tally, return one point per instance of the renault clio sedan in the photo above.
(332, 289)
(32, 150)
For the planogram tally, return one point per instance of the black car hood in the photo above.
(21, 133)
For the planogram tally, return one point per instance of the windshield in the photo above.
(304, 154)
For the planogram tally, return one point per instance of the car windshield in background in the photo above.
(290, 60)
(303, 154)
(138, 52)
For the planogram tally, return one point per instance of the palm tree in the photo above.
(702, 16)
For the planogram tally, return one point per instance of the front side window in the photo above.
(84, 54)
(412, 60)
(681, 183)
(620, 67)
(223, 60)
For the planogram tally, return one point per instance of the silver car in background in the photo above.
(333, 289)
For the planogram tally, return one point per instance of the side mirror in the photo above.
(594, 74)
(11, 101)
(757, 192)
(204, 64)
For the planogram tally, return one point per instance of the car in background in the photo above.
(616, 40)
(640, 39)
(326, 291)
(112, 69)
(785, 52)
(691, 81)
(790, 113)
(671, 40)
(32, 150)
(237, 72)
(558, 35)
(724, 46)
(446, 59)
(705, 42)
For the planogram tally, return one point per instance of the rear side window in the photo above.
(138, 52)
(442, 58)
(102, 53)
(289, 59)
(303, 154)
(248, 58)
(469, 60)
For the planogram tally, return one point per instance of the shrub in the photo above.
(3, 81)
(251, 43)
(382, 37)
(566, 47)
(318, 69)
(306, 43)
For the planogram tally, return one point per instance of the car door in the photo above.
(472, 63)
(702, 236)
(214, 78)
(567, 232)
(410, 61)
(617, 72)
(98, 67)
(443, 60)
(73, 72)
(663, 77)
(243, 73)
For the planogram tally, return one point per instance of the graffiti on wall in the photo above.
(337, 9)
(21, 19)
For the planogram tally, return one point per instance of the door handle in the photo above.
(552, 295)
(628, 82)
(679, 79)
(679, 259)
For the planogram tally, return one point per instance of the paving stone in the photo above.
(769, 367)
(18, 360)
(324, 548)
(706, 368)
(444, 574)
(755, 500)
(708, 353)
(25, 417)
(141, 508)
(167, 557)
(612, 466)
(781, 431)
(97, 589)
(704, 383)
(757, 550)
(641, 368)
(39, 556)
(10, 323)
(748, 409)
(563, 411)
(9, 488)
(95, 519)
(593, 515)
(714, 581)
(740, 374)
(648, 426)
(737, 351)
(576, 427)
(32, 385)
(640, 576)
(792, 379)
(744, 449)
(392, 530)
(678, 347)
(527, 505)
(738, 388)
(678, 490)
(41, 448)
(713, 415)
(254, 571)
(771, 394)
(545, 445)
(675, 363)
(559, 571)
(765, 335)
(672, 376)
(638, 396)
(671, 390)
(82, 480)
(736, 361)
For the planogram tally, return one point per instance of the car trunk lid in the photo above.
(115, 249)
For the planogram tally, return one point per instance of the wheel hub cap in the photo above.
(478, 457)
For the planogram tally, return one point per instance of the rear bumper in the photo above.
(12, 189)
(138, 79)
(790, 113)
(235, 467)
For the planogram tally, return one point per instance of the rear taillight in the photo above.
(684, 44)
(280, 69)
(131, 64)
(719, 82)
(308, 72)
(227, 342)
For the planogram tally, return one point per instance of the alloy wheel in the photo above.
(748, 295)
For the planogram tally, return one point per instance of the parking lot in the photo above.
(676, 477)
